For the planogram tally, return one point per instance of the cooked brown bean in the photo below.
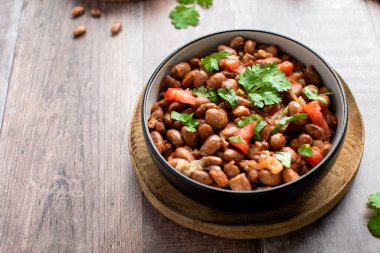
(228, 131)
(201, 110)
(273, 50)
(211, 160)
(296, 89)
(188, 111)
(225, 48)
(197, 155)
(294, 108)
(268, 61)
(324, 105)
(231, 169)
(217, 118)
(160, 127)
(168, 150)
(241, 111)
(331, 120)
(326, 148)
(305, 139)
(184, 153)
(168, 120)
(318, 143)
(315, 131)
(237, 43)
(200, 78)
(158, 114)
(244, 102)
(200, 101)
(248, 60)
(176, 106)
(267, 178)
(164, 103)
(277, 141)
(95, 12)
(79, 31)
(191, 138)
(215, 81)
(311, 76)
(175, 137)
(249, 47)
(228, 74)
(240, 183)
(253, 176)
(77, 11)
(175, 161)
(177, 125)
(295, 144)
(171, 82)
(230, 84)
(205, 130)
(195, 63)
(232, 155)
(324, 90)
(289, 175)
(202, 177)
(211, 145)
(218, 176)
(116, 28)
(158, 141)
(180, 70)
(312, 88)
(265, 133)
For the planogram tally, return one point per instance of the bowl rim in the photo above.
(335, 148)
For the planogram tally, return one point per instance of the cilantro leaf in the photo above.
(186, 119)
(237, 139)
(374, 199)
(374, 225)
(229, 95)
(210, 62)
(185, 1)
(183, 16)
(285, 120)
(263, 84)
(211, 94)
(285, 158)
(259, 126)
(285, 111)
(313, 95)
(305, 150)
(248, 119)
(205, 3)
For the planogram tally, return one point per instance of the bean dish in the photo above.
(246, 117)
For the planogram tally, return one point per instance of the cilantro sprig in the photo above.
(259, 126)
(186, 119)
(285, 158)
(313, 95)
(263, 84)
(210, 62)
(185, 14)
(305, 150)
(285, 120)
(229, 95)
(374, 223)
(237, 139)
(211, 94)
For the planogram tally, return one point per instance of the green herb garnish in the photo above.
(285, 120)
(305, 150)
(186, 119)
(183, 16)
(248, 119)
(210, 62)
(285, 158)
(259, 126)
(262, 84)
(237, 139)
(211, 94)
(229, 96)
(374, 223)
(313, 95)
(374, 199)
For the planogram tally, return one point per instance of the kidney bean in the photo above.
(267, 178)
(171, 82)
(184, 153)
(218, 176)
(311, 75)
(176, 106)
(231, 169)
(202, 177)
(241, 111)
(215, 81)
(225, 48)
(253, 176)
(294, 108)
(249, 47)
(205, 130)
(237, 43)
(315, 131)
(211, 160)
(289, 175)
(217, 118)
(277, 141)
(240, 183)
(191, 138)
(272, 49)
(195, 63)
(175, 137)
(180, 70)
(232, 155)
(158, 141)
(211, 145)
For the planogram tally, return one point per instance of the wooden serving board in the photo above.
(313, 205)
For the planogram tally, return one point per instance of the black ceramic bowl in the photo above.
(257, 199)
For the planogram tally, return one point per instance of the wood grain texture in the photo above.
(10, 13)
(66, 182)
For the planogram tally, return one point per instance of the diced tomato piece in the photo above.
(315, 158)
(180, 95)
(286, 67)
(246, 133)
(233, 65)
(313, 110)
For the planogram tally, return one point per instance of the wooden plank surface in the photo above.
(66, 182)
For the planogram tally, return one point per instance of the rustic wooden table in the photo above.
(66, 179)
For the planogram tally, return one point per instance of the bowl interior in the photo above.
(205, 45)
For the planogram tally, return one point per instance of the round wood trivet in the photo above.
(313, 205)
